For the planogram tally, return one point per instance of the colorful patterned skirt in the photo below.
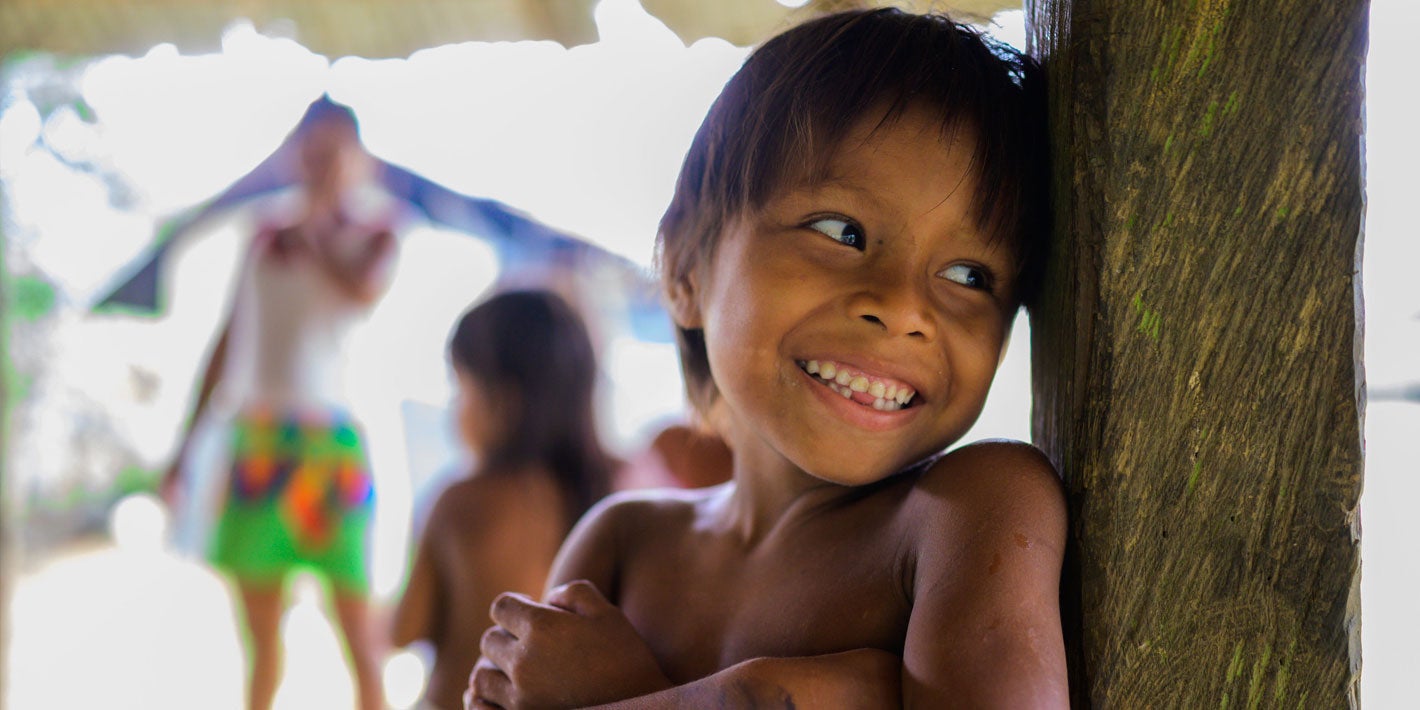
(299, 496)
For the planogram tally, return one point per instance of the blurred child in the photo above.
(852, 234)
(526, 374)
(680, 455)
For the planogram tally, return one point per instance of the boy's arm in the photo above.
(985, 626)
(577, 649)
(852, 680)
(592, 550)
(574, 649)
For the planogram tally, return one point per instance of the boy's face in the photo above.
(878, 271)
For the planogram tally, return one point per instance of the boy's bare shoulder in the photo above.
(657, 507)
(996, 458)
(1008, 481)
(619, 527)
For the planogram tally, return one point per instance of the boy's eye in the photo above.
(967, 275)
(840, 230)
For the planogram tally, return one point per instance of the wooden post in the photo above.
(1197, 356)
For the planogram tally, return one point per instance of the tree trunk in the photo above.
(1197, 355)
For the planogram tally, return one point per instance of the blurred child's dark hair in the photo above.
(780, 118)
(532, 347)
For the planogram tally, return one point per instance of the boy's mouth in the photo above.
(880, 393)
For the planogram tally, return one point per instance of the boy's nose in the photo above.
(896, 306)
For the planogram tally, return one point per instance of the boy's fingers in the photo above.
(579, 597)
(472, 703)
(514, 612)
(497, 647)
(488, 687)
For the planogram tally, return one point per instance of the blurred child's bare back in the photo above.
(486, 535)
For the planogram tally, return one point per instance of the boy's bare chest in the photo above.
(704, 604)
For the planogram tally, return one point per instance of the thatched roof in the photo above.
(386, 28)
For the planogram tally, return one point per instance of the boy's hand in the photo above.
(575, 650)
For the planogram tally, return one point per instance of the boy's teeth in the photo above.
(886, 405)
(887, 397)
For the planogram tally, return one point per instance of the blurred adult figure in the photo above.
(299, 492)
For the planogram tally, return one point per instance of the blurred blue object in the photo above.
(518, 239)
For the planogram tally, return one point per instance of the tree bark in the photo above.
(1197, 354)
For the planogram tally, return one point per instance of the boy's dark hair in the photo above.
(534, 347)
(780, 117)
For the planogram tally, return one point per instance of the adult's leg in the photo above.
(344, 561)
(362, 647)
(262, 605)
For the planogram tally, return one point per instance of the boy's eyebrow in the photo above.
(849, 183)
(855, 190)
(832, 181)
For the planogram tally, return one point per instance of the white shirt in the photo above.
(291, 324)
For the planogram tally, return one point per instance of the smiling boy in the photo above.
(850, 240)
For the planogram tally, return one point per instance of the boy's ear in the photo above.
(685, 302)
